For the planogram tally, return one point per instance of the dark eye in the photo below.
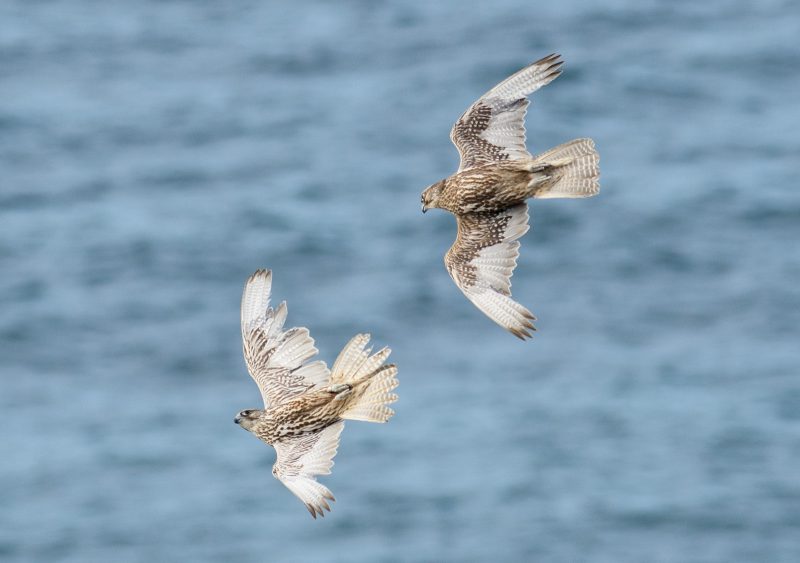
(245, 413)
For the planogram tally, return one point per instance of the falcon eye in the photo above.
(245, 413)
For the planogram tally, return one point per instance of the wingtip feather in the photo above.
(256, 295)
(530, 78)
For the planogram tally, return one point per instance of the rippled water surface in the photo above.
(154, 154)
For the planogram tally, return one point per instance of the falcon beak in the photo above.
(237, 420)
(424, 208)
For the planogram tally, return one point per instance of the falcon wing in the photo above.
(493, 128)
(276, 357)
(482, 261)
(301, 458)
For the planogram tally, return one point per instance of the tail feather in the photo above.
(372, 381)
(371, 399)
(576, 166)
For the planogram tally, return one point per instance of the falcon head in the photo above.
(247, 418)
(430, 197)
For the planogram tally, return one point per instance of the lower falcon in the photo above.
(305, 404)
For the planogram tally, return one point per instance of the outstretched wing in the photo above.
(276, 357)
(493, 128)
(301, 458)
(482, 261)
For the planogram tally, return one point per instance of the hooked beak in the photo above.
(424, 208)
(237, 420)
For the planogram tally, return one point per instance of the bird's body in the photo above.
(494, 187)
(305, 404)
(488, 193)
(305, 414)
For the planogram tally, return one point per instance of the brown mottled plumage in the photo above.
(496, 176)
(305, 404)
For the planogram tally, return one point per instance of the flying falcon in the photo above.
(305, 404)
(487, 194)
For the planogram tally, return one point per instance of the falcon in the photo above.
(488, 193)
(305, 403)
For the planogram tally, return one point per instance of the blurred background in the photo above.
(154, 154)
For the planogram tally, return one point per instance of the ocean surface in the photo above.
(154, 154)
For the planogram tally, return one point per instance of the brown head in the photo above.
(430, 197)
(248, 418)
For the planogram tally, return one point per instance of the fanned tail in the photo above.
(371, 380)
(576, 165)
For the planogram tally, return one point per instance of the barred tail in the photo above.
(372, 381)
(576, 165)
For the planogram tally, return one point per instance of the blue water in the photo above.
(154, 154)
